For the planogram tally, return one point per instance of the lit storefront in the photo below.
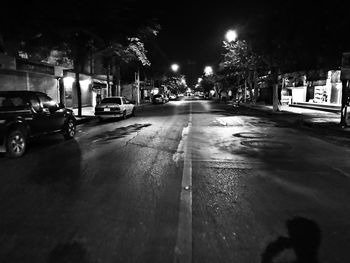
(315, 87)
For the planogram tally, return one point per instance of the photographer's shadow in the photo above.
(304, 240)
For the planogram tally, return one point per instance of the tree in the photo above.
(208, 82)
(176, 83)
(239, 62)
(117, 54)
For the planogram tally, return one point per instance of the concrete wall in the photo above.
(129, 91)
(20, 80)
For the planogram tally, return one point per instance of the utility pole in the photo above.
(137, 81)
(245, 90)
(345, 79)
(109, 93)
(344, 103)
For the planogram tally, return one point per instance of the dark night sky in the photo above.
(194, 30)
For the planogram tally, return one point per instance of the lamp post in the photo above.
(231, 35)
(208, 70)
(175, 67)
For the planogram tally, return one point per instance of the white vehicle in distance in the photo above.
(112, 107)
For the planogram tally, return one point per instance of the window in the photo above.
(11, 101)
(111, 100)
(45, 101)
(34, 102)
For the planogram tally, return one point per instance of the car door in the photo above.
(53, 115)
(39, 117)
(126, 106)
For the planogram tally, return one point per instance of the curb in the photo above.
(82, 120)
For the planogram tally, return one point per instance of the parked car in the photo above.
(27, 114)
(173, 97)
(114, 107)
(159, 98)
(166, 98)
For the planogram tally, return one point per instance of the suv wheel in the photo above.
(16, 143)
(69, 129)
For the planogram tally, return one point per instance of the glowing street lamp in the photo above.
(208, 70)
(175, 67)
(231, 35)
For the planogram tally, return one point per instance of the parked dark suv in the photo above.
(26, 114)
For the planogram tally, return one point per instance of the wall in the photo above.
(20, 80)
(22, 74)
(129, 91)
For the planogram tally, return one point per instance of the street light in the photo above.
(231, 35)
(175, 67)
(208, 70)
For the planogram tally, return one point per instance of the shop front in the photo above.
(319, 89)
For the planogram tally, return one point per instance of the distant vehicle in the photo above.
(112, 107)
(27, 114)
(159, 99)
(180, 95)
(207, 96)
(199, 93)
(173, 97)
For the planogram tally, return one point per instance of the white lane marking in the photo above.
(183, 248)
(180, 148)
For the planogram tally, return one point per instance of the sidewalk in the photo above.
(307, 117)
(88, 113)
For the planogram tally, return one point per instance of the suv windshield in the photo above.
(111, 100)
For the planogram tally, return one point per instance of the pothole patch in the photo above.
(251, 135)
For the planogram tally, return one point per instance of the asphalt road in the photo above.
(187, 181)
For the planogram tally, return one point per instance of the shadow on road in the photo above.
(70, 252)
(304, 239)
(59, 168)
(119, 132)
